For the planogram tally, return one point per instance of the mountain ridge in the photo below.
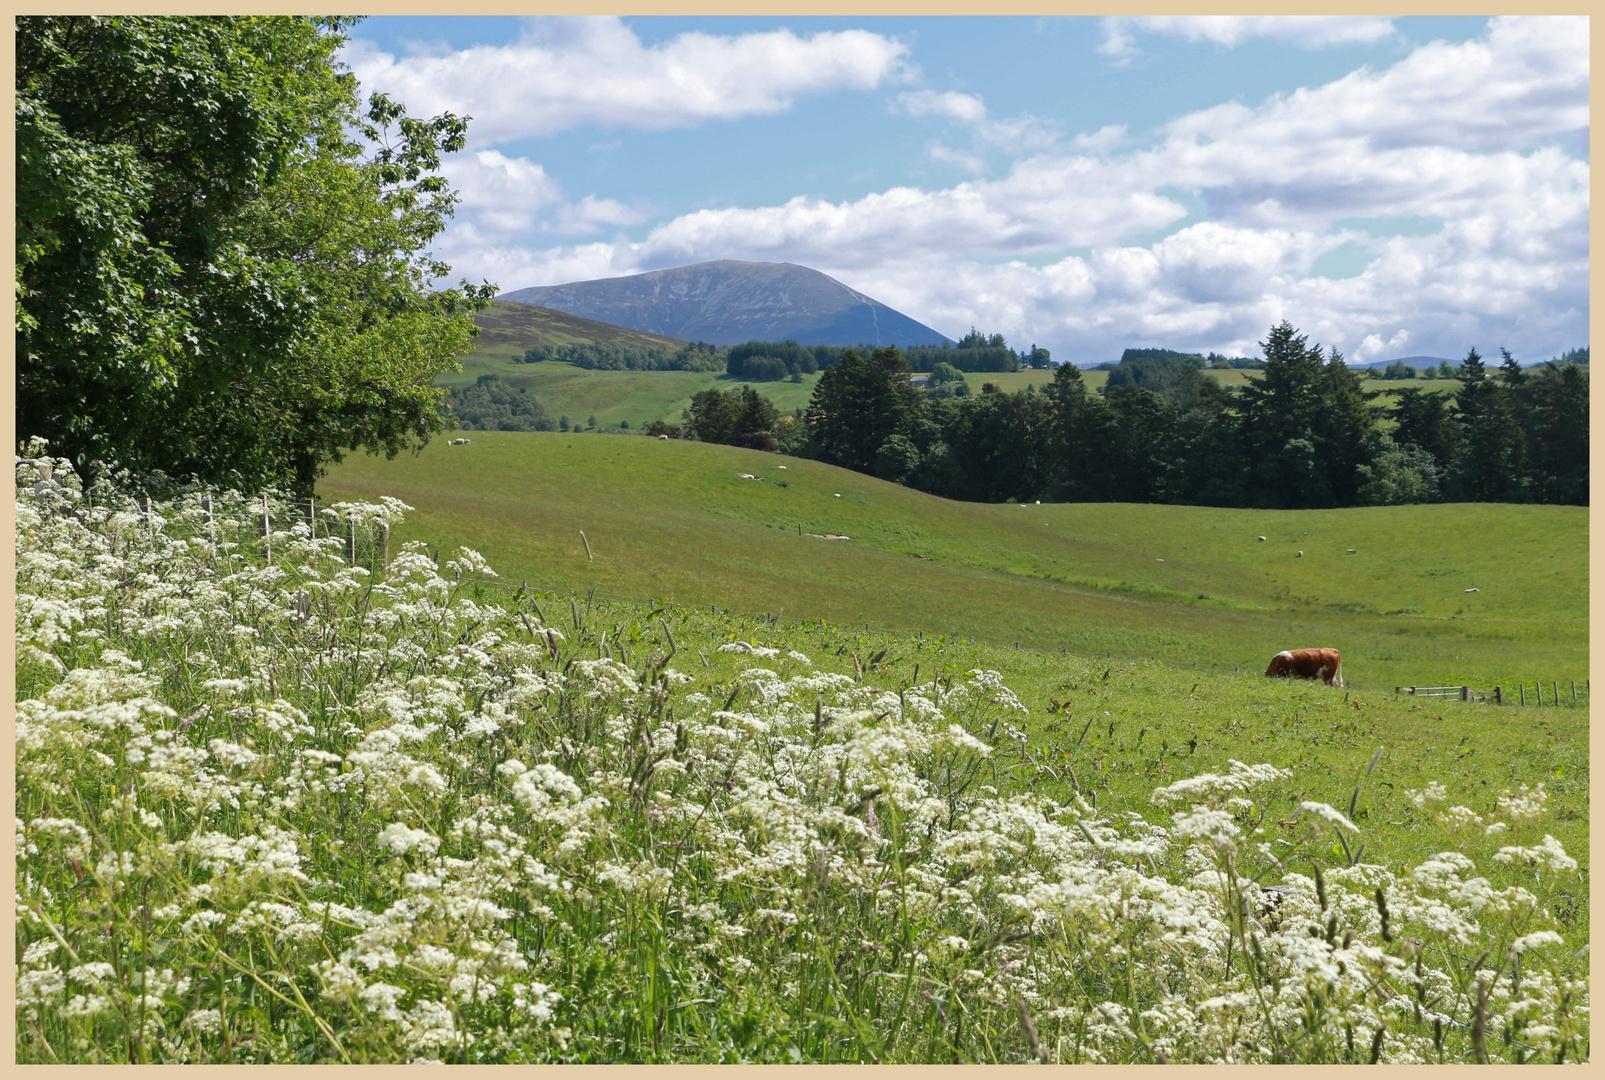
(729, 301)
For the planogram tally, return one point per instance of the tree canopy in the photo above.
(220, 249)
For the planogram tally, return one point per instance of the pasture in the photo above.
(675, 521)
(378, 811)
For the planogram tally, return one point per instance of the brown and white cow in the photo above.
(1323, 664)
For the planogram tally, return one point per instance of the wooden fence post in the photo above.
(267, 533)
(384, 554)
(312, 518)
(351, 540)
(1465, 693)
(206, 504)
(1538, 688)
(1554, 691)
(1523, 688)
(1499, 696)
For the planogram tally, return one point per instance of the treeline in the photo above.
(612, 356)
(772, 361)
(1304, 434)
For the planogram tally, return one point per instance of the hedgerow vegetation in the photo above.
(278, 804)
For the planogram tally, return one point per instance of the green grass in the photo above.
(674, 520)
(639, 397)
(403, 810)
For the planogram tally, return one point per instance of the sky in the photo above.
(1390, 187)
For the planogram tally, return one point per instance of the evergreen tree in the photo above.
(1077, 434)
(1138, 435)
(1283, 405)
(757, 413)
(1423, 419)
(1488, 463)
(1558, 461)
(858, 404)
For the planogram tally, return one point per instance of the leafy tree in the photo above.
(727, 416)
(896, 459)
(713, 417)
(1396, 474)
(219, 253)
(492, 405)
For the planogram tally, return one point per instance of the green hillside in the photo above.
(675, 520)
(506, 330)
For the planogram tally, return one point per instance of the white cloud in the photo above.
(1304, 31)
(506, 197)
(595, 70)
(1453, 134)
(946, 154)
(1018, 133)
(967, 108)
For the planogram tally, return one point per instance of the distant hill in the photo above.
(729, 302)
(1411, 361)
(507, 330)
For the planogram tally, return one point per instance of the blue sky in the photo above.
(1390, 186)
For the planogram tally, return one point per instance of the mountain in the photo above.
(1417, 362)
(729, 302)
(508, 330)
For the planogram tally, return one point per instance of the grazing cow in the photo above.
(1323, 664)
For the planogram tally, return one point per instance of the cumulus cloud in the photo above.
(1304, 31)
(1461, 135)
(595, 70)
(510, 197)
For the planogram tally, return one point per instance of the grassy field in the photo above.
(676, 521)
(402, 811)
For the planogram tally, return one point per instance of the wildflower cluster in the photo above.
(311, 810)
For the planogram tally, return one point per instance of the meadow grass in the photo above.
(273, 807)
(639, 397)
(675, 521)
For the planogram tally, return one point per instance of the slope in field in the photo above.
(1427, 595)
(729, 302)
(510, 329)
